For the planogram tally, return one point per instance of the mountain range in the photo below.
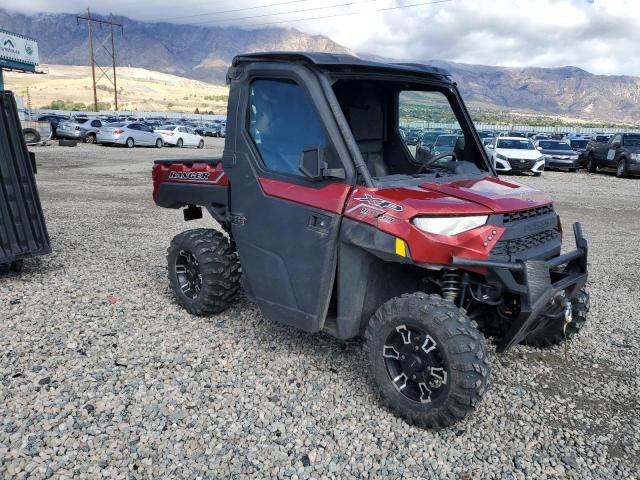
(204, 53)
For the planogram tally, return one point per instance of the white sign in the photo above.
(18, 48)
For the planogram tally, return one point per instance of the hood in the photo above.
(498, 195)
(519, 153)
(559, 153)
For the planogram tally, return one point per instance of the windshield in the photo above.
(446, 140)
(516, 145)
(430, 137)
(554, 145)
(632, 141)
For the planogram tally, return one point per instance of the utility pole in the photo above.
(92, 60)
(113, 61)
(111, 54)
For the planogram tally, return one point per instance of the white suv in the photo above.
(516, 155)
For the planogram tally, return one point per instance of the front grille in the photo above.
(527, 214)
(521, 164)
(523, 244)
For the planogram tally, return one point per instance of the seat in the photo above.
(367, 127)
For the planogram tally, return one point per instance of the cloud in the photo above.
(601, 36)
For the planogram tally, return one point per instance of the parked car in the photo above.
(621, 152)
(413, 136)
(180, 136)
(80, 128)
(513, 134)
(129, 134)
(428, 139)
(516, 155)
(558, 154)
(443, 144)
(580, 147)
(53, 120)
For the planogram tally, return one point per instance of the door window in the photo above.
(283, 123)
(96, 123)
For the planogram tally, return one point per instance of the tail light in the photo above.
(118, 131)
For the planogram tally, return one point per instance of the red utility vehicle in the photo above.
(330, 223)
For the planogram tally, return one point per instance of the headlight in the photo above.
(501, 157)
(449, 225)
(635, 156)
(436, 153)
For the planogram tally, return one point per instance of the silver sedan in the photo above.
(129, 134)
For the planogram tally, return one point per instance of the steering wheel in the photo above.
(433, 160)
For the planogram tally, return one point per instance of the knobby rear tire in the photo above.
(219, 267)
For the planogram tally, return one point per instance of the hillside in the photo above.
(139, 89)
(204, 53)
(201, 53)
(566, 91)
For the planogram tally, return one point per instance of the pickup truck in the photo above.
(621, 152)
(328, 222)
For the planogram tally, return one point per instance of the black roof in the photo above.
(339, 61)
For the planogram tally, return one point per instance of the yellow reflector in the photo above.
(401, 247)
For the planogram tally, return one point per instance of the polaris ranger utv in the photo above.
(333, 225)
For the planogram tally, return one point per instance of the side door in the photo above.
(613, 149)
(193, 138)
(285, 224)
(136, 133)
(149, 135)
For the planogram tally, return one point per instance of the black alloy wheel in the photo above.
(187, 270)
(414, 364)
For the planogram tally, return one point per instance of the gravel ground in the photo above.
(102, 374)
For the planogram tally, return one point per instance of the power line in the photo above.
(281, 13)
(398, 7)
(103, 45)
(347, 13)
(229, 11)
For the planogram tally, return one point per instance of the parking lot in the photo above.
(102, 374)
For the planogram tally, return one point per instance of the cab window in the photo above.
(283, 123)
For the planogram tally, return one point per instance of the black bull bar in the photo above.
(540, 283)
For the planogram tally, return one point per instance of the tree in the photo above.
(197, 110)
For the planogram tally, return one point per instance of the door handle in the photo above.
(318, 222)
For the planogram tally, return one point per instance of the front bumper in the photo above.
(519, 166)
(540, 284)
(69, 134)
(562, 163)
(633, 168)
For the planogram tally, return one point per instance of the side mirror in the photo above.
(490, 147)
(615, 144)
(312, 164)
(539, 148)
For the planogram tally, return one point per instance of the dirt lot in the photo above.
(103, 375)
